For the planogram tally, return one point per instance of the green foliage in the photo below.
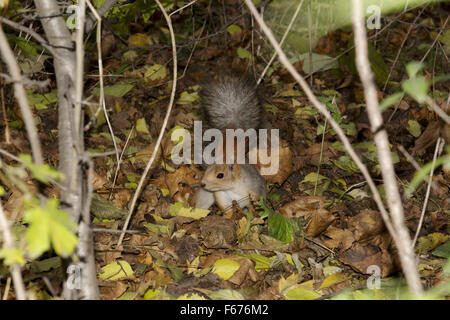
(424, 172)
(41, 172)
(416, 87)
(49, 227)
(12, 256)
(280, 228)
(391, 100)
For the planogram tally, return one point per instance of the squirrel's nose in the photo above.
(202, 185)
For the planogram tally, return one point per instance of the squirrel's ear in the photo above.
(231, 167)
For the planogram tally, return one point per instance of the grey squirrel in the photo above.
(231, 102)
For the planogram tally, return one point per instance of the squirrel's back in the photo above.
(231, 102)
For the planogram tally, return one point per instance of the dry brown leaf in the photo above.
(183, 175)
(427, 138)
(366, 224)
(320, 220)
(360, 258)
(246, 268)
(302, 206)
(338, 238)
(110, 290)
(14, 206)
(218, 232)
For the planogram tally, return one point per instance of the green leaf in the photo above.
(187, 98)
(413, 68)
(313, 177)
(423, 173)
(280, 228)
(243, 53)
(443, 250)
(155, 72)
(141, 126)
(390, 100)
(290, 93)
(233, 29)
(414, 128)
(48, 227)
(41, 172)
(117, 90)
(416, 88)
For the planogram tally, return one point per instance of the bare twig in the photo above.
(183, 7)
(427, 195)
(16, 274)
(435, 40)
(401, 47)
(414, 163)
(438, 110)
(118, 163)
(31, 32)
(102, 101)
(19, 92)
(7, 287)
(5, 118)
(402, 238)
(291, 23)
(161, 134)
(81, 18)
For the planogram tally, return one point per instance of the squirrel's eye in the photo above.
(220, 176)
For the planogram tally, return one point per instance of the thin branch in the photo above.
(19, 92)
(438, 110)
(102, 101)
(402, 238)
(427, 195)
(5, 118)
(16, 274)
(183, 7)
(435, 40)
(401, 47)
(414, 163)
(166, 119)
(7, 286)
(32, 33)
(119, 162)
(291, 23)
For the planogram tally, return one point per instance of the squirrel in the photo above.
(231, 102)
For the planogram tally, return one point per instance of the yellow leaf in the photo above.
(225, 268)
(299, 293)
(191, 296)
(195, 213)
(116, 270)
(431, 241)
(193, 266)
(290, 281)
(150, 294)
(333, 279)
(139, 40)
(233, 29)
(243, 53)
(155, 72)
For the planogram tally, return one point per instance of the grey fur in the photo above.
(231, 103)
